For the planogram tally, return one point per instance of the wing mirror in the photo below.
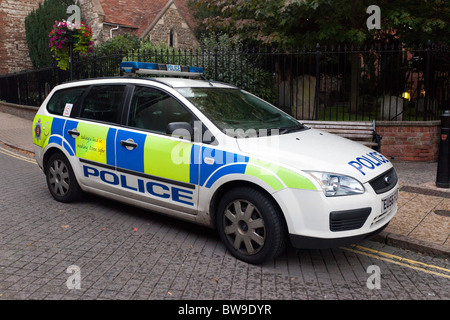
(182, 130)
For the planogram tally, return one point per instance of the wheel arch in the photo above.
(48, 153)
(224, 188)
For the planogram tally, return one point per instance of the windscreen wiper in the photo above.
(300, 127)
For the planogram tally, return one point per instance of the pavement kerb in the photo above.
(11, 145)
(408, 243)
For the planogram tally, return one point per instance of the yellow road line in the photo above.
(413, 262)
(17, 156)
(408, 263)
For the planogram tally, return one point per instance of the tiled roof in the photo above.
(140, 13)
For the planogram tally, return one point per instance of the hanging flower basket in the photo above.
(65, 33)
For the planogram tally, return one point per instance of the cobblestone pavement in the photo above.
(128, 253)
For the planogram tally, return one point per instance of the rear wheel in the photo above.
(250, 225)
(61, 180)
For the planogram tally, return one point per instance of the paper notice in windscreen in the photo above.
(67, 110)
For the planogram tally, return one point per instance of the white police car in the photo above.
(213, 154)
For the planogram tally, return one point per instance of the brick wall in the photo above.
(410, 140)
(13, 45)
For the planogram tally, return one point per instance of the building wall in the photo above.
(14, 55)
(121, 31)
(93, 15)
(172, 20)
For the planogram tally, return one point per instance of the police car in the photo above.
(213, 154)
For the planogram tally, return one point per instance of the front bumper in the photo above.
(317, 221)
(305, 242)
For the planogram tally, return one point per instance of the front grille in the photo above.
(384, 182)
(348, 219)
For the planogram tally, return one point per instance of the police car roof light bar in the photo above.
(133, 67)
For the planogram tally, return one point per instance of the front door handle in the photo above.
(74, 133)
(129, 144)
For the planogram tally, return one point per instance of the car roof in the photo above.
(191, 83)
(171, 82)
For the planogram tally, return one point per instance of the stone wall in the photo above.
(14, 55)
(93, 15)
(121, 31)
(26, 112)
(172, 20)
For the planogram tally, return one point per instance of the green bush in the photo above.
(124, 43)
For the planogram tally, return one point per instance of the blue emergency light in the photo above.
(133, 67)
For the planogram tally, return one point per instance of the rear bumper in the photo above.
(304, 242)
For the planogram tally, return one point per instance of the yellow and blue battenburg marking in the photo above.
(193, 164)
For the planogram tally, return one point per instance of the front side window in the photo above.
(103, 103)
(61, 98)
(152, 109)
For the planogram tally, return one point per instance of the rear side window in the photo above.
(103, 103)
(61, 98)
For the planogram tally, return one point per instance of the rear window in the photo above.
(61, 98)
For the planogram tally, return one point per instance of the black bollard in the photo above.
(442, 176)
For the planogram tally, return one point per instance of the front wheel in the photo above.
(250, 225)
(61, 180)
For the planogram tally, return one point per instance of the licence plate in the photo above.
(389, 201)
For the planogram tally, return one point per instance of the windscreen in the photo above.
(233, 110)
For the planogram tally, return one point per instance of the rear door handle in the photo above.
(74, 133)
(129, 144)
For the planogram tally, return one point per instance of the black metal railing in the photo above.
(378, 82)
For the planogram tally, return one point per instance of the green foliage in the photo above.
(307, 22)
(124, 42)
(237, 66)
(38, 25)
(234, 64)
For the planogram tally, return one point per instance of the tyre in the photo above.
(250, 225)
(61, 180)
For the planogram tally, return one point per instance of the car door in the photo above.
(153, 166)
(92, 134)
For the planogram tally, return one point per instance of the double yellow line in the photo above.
(408, 263)
(17, 156)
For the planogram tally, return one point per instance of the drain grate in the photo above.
(444, 213)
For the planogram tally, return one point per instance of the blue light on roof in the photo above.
(159, 68)
(132, 65)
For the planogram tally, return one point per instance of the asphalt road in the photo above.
(101, 249)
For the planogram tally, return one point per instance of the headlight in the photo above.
(337, 185)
